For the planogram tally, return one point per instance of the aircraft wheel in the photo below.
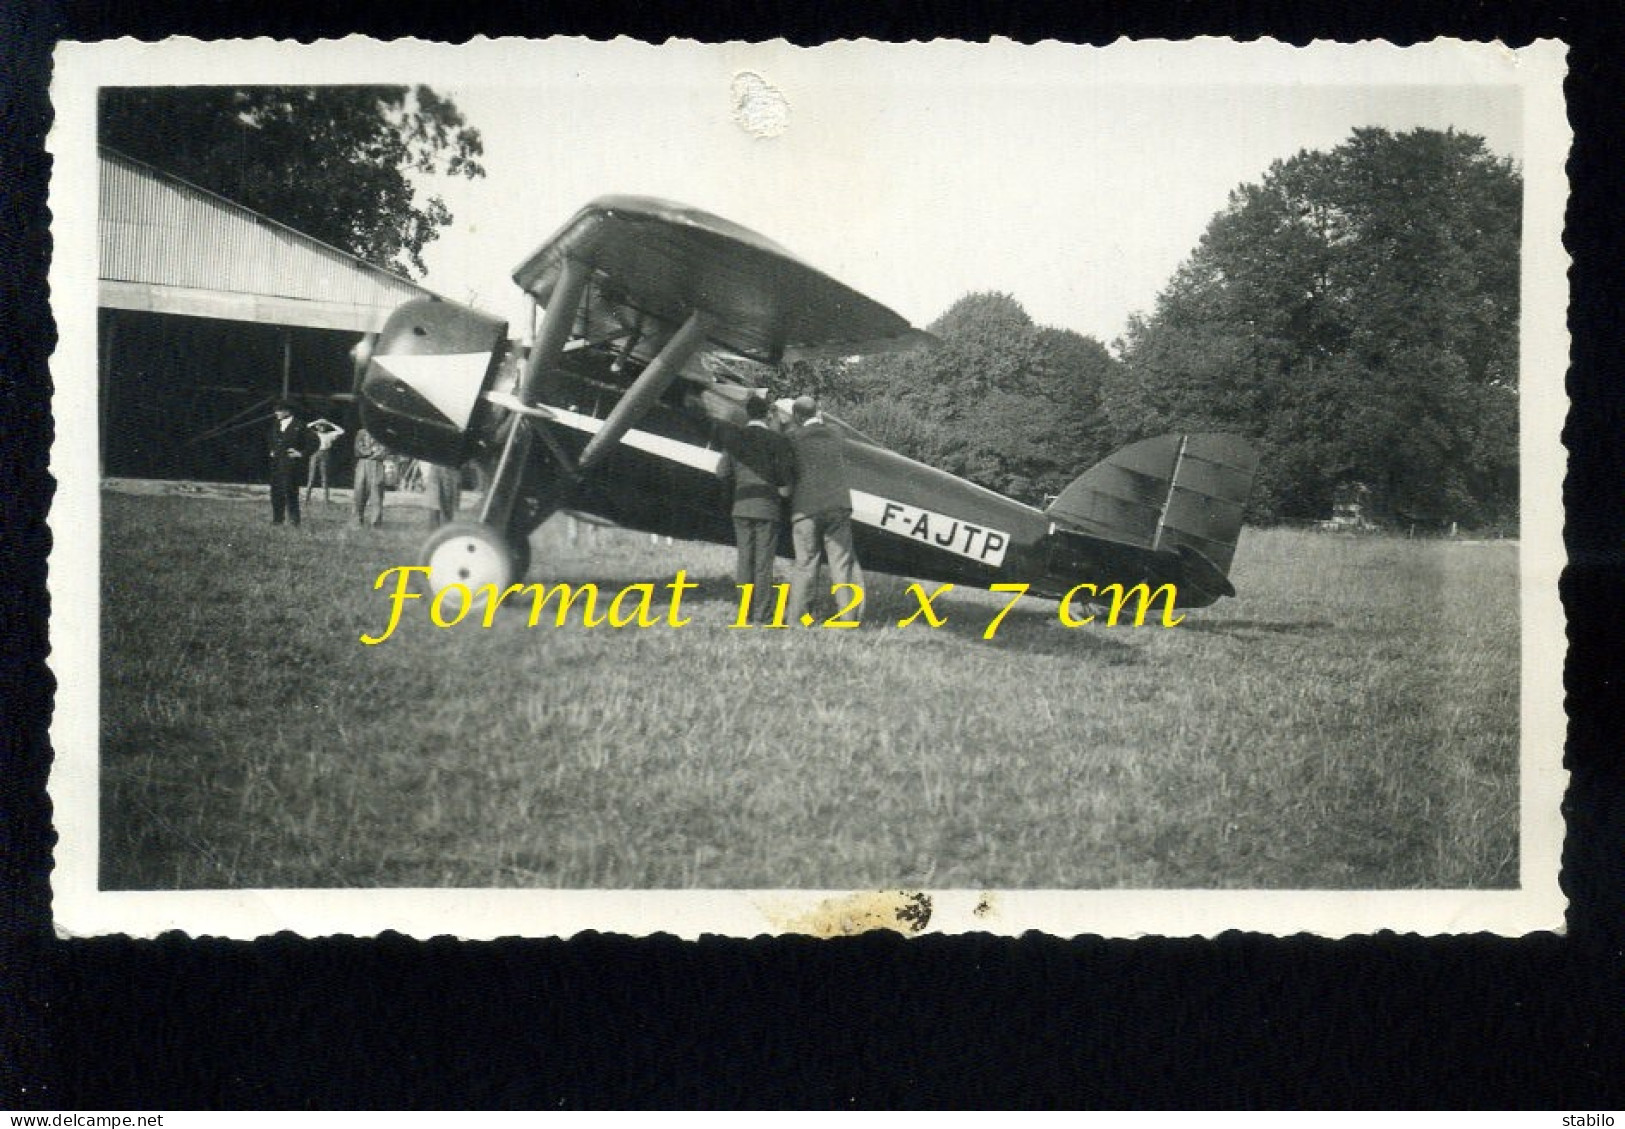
(471, 554)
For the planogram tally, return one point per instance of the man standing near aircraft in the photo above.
(759, 470)
(287, 447)
(820, 509)
(369, 476)
(326, 433)
(444, 485)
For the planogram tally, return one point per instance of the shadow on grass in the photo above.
(1245, 628)
(699, 588)
(1030, 628)
(1035, 630)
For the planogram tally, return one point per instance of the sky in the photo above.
(919, 173)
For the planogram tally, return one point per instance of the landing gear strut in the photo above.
(481, 553)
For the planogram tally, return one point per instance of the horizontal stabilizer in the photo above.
(1169, 493)
(1205, 581)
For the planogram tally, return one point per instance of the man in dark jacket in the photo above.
(820, 511)
(760, 470)
(287, 445)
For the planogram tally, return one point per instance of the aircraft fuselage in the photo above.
(429, 394)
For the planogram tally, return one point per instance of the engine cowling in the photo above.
(422, 392)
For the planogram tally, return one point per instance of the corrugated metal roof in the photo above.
(158, 231)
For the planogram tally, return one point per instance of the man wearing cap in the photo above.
(286, 446)
(759, 470)
(820, 509)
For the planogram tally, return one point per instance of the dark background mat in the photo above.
(872, 1021)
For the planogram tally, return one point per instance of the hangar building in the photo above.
(207, 312)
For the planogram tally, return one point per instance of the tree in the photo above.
(1356, 314)
(1008, 404)
(330, 161)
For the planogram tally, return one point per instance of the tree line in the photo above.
(999, 400)
(1354, 313)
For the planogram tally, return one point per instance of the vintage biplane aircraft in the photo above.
(615, 413)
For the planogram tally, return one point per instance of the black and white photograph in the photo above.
(535, 486)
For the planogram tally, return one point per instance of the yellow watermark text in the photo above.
(637, 605)
(632, 606)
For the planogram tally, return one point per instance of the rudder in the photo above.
(1172, 492)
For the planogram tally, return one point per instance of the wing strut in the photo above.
(528, 425)
(557, 322)
(651, 382)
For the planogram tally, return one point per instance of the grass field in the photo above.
(1350, 721)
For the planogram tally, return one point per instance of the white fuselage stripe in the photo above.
(673, 450)
(923, 527)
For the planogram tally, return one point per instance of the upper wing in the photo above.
(655, 262)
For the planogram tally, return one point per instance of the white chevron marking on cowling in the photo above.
(449, 381)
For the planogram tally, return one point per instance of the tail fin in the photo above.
(1182, 493)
